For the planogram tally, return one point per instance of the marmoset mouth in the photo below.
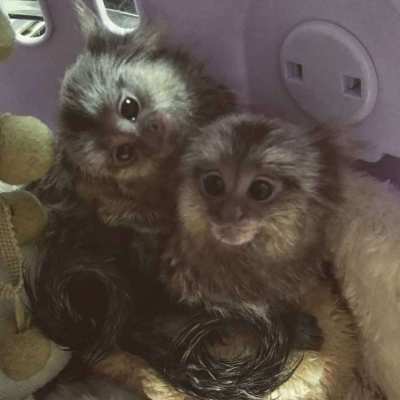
(233, 235)
(124, 154)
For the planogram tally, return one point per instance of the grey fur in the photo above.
(173, 91)
(93, 200)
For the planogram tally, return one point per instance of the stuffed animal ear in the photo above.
(89, 22)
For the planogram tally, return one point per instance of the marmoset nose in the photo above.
(231, 213)
(154, 124)
(155, 130)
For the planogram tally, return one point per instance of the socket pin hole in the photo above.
(294, 71)
(352, 86)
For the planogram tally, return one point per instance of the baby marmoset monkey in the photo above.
(255, 196)
(125, 108)
(252, 206)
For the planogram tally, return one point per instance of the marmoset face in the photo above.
(129, 100)
(247, 176)
(121, 113)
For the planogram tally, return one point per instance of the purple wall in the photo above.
(239, 40)
(30, 78)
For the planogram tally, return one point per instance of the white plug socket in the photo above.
(329, 73)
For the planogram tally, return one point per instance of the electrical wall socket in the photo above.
(328, 73)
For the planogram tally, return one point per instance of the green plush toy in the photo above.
(28, 360)
(6, 37)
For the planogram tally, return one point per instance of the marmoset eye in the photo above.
(129, 108)
(261, 190)
(212, 184)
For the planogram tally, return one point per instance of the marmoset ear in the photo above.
(89, 22)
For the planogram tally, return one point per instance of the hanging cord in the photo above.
(11, 260)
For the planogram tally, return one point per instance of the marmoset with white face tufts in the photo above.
(126, 106)
(255, 197)
(252, 205)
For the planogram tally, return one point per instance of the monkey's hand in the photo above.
(307, 333)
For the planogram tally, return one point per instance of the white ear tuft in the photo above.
(89, 22)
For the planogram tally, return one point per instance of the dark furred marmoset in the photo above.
(126, 106)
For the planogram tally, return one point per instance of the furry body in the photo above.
(172, 92)
(324, 375)
(126, 106)
(79, 283)
(202, 355)
(364, 244)
(269, 257)
(257, 269)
